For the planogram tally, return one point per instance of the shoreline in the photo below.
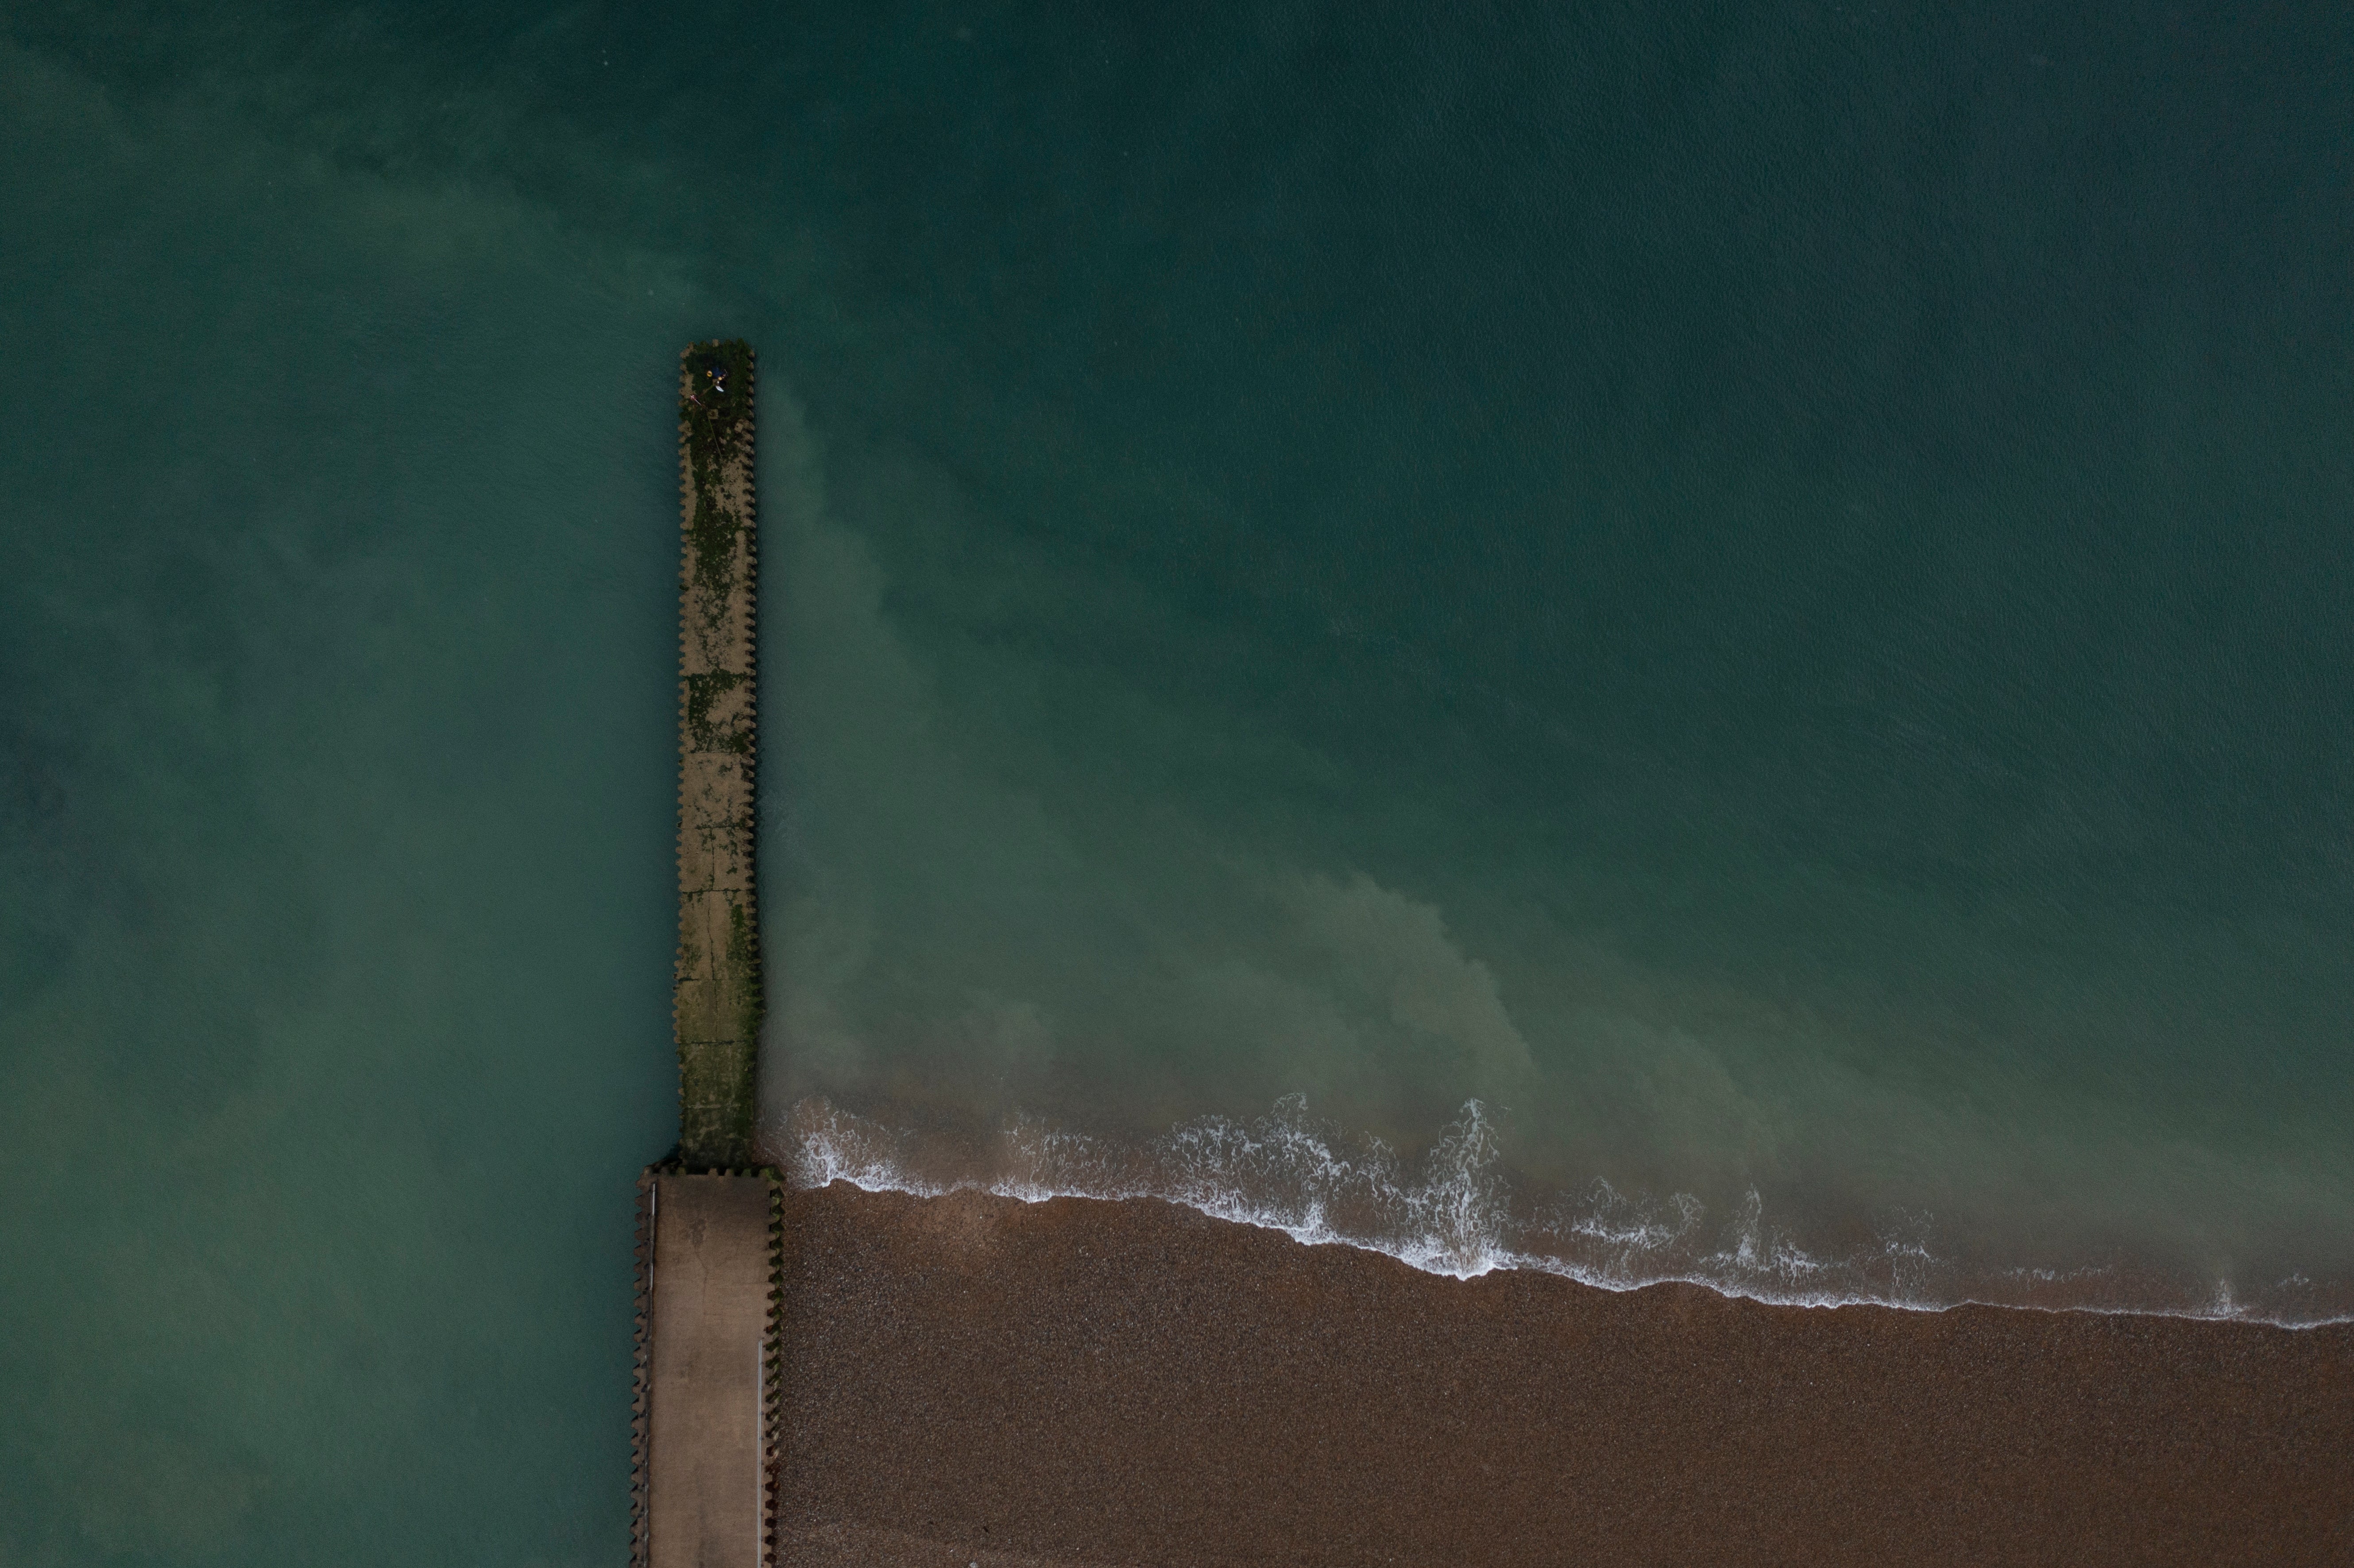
(1464, 1219)
(1550, 1269)
(1110, 1381)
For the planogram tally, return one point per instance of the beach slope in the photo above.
(976, 1380)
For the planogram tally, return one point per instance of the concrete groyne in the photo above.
(708, 1237)
(716, 995)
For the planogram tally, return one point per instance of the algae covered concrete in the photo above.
(715, 1000)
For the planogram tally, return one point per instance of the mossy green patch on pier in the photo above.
(705, 693)
(714, 411)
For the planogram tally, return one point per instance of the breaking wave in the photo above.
(1458, 1209)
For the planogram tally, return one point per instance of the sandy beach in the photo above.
(975, 1379)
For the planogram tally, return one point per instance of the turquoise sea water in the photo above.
(1724, 628)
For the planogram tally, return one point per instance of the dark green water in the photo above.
(1757, 594)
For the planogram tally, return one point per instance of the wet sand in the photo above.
(973, 1379)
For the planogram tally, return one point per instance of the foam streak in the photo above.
(1457, 1211)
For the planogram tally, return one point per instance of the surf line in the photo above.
(709, 1256)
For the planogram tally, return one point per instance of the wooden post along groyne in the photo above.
(708, 1223)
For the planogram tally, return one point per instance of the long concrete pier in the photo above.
(716, 992)
(708, 1234)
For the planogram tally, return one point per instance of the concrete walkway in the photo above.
(704, 1344)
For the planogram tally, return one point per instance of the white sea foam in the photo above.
(1455, 1211)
